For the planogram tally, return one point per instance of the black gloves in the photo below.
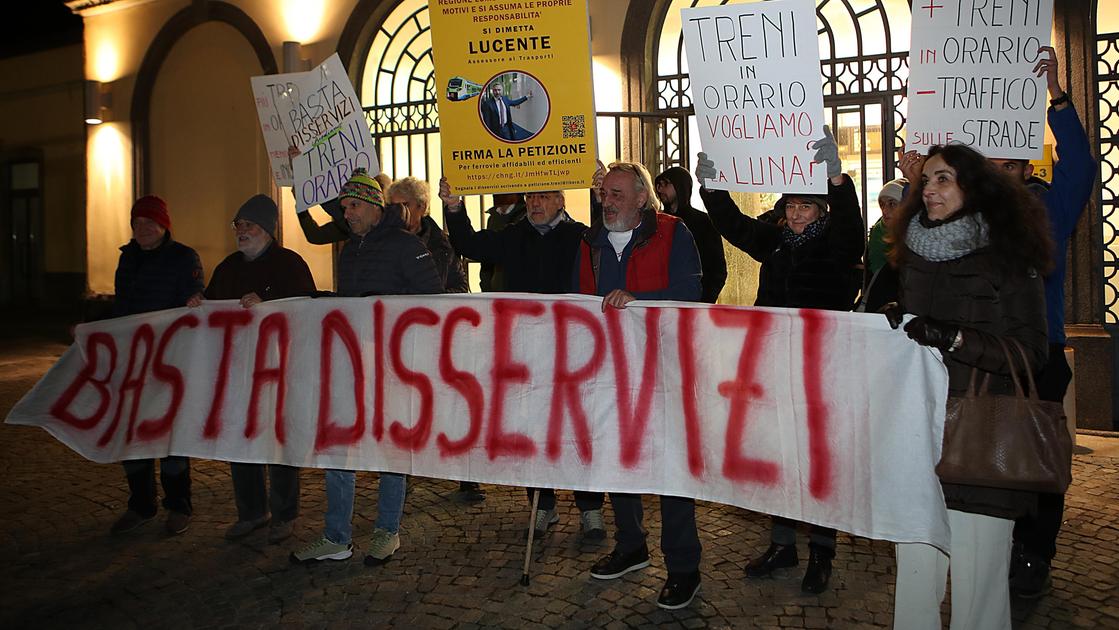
(894, 313)
(930, 332)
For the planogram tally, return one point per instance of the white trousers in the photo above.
(980, 565)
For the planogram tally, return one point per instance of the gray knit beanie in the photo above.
(261, 210)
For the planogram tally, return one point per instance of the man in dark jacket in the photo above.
(381, 258)
(538, 255)
(634, 253)
(155, 273)
(674, 188)
(260, 270)
(1035, 538)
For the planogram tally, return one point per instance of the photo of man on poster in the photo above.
(497, 108)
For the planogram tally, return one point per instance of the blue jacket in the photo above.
(1074, 175)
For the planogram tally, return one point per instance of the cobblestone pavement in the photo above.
(459, 565)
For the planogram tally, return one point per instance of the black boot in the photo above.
(776, 557)
(1030, 579)
(818, 573)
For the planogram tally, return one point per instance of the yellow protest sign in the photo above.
(516, 98)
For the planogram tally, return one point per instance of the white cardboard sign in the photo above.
(755, 82)
(325, 122)
(972, 77)
(272, 94)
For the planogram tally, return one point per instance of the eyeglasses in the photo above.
(242, 226)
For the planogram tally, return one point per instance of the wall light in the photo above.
(98, 101)
(293, 58)
(303, 18)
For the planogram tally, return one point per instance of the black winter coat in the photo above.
(157, 279)
(820, 273)
(532, 262)
(987, 302)
(388, 260)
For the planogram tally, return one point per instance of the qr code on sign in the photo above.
(573, 126)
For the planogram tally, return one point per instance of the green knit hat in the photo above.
(362, 186)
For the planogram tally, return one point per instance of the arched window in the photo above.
(1107, 86)
(864, 49)
(398, 93)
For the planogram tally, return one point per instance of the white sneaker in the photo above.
(322, 549)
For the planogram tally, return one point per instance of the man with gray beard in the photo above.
(637, 253)
(260, 270)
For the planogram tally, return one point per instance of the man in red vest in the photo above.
(637, 253)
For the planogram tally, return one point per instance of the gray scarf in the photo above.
(947, 241)
(547, 227)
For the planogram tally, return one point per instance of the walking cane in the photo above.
(531, 531)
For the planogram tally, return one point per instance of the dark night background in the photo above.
(36, 25)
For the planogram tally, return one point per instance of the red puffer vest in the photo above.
(647, 267)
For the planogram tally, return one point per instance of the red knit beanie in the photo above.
(154, 208)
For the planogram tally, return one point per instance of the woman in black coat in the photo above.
(810, 259)
(971, 246)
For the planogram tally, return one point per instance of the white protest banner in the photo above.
(274, 95)
(329, 129)
(971, 76)
(831, 418)
(756, 87)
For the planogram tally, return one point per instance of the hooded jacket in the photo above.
(707, 240)
(388, 260)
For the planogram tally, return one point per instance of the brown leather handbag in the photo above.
(1017, 442)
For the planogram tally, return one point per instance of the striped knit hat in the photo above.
(362, 186)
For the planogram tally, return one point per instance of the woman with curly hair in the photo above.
(971, 246)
